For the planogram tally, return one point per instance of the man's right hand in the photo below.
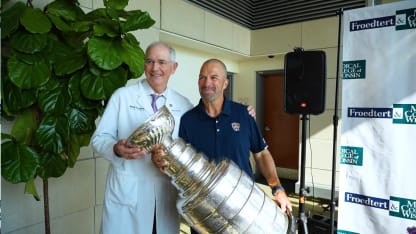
(128, 151)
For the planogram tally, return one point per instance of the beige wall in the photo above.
(186, 20)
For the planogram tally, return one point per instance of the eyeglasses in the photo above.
(161, 63)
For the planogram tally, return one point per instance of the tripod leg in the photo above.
(303, 224)
(292, 227)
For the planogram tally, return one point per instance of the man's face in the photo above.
(158, 67)
(212, 81)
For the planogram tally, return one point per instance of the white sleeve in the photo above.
(106, 133)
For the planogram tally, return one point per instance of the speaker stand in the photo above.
(335, 126)
(303, 219)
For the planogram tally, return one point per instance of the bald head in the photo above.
(214, 60)
(212, 81)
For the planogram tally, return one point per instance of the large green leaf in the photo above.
(70, 63)
(133, 56)
(54, 97)
(57, 49)
(75, 39)
(77, 141)
(59, 23)
(78, 100)
(81, 26)
(25, 127)
(71, 26)
(35, 21)
(101, 87)
(66, 59)
(10, 19)
(74, 145)
(30, 58)
(28, 42)
(116, 4)
(131, 39)
(74, 150)
(99, 13)
(52, 133)
(105, 52)
(65, 9)
(28, 76)
(81, 121)
(47, 80)
(52, 165)
(137, 20)
(84, 139)
(30, 188)
(107, 27)
(114, 14)
(14, 98)
(6, 136)
(18, 162)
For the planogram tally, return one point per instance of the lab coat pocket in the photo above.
(123, 189)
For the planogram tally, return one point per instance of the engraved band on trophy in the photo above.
(214, 198)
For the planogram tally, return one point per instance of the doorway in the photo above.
(280, 130)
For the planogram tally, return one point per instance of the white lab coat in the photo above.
(135, 188)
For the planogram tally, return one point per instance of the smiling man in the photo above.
(139, 199)
(226, 131)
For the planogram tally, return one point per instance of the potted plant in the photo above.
(59, 66)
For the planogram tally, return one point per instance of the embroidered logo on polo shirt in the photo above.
(235, 126)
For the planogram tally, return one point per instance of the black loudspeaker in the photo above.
(305, 81)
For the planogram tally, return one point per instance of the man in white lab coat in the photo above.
(138, 198)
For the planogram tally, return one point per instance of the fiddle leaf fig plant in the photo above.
(59, 66)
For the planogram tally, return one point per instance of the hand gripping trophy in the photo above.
(214, 198)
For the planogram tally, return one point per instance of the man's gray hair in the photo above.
(172, 51)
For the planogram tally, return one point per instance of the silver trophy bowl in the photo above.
(214, 198)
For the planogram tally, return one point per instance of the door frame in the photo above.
(283, 172)
(259, 89)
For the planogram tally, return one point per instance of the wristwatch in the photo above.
(277, 187)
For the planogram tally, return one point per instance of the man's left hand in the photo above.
(283, 201)
(251, 111)
(158, 158)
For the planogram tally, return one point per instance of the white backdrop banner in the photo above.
(377, 181)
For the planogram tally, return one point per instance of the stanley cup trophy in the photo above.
(214, 198)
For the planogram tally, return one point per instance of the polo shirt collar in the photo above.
(226, 108)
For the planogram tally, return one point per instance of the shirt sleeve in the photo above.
(105, 135)
(258, 143)
(182, 132)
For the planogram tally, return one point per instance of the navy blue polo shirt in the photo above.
(230, 135)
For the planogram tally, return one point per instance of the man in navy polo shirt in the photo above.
(223, 129)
